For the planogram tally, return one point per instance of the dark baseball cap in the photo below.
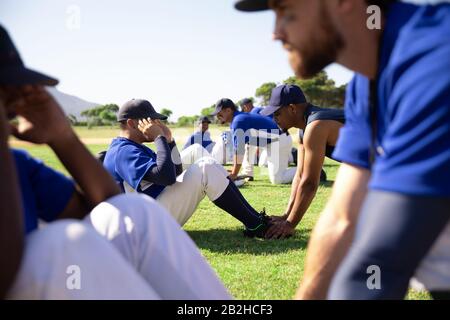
(203, 119)
(12, 69)
(252, 5)
(284, 95)
(138, 109)
(223, 103)
(245, 101)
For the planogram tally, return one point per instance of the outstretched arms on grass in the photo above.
(11, 215)
(333, 233)
(306, 181)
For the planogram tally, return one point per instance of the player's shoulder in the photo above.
(23, 159)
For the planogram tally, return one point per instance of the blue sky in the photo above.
(178, 54)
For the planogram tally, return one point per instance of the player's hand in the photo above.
(166, 131)
(280, 230)
(149, 129)
(40, 118)
(232, 176)
(275, 219)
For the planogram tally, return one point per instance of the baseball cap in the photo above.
(252, 5)
(12, 68)
(138, 109)
(223, 103)
(283, 95)
(203, 119)
(245, 101)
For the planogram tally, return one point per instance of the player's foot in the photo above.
(261, 229)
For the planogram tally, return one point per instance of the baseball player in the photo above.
(97, 243)
(202, 136)
(393, 185)
(247, 106)
(136, 168)
(257, 131)
(320, 130)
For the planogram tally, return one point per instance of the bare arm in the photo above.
(11, 216)
(297, 178)
(314, 153)
(333, 233)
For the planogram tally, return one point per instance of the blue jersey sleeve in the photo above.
(51, 189)
(353, 145)
(189, 142)
(132, 163)
(239, 130)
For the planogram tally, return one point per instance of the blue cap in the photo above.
(284, 95)
(12, 68)
(138, 109)
(223, 103)
(203, 119)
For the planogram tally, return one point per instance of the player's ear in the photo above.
(131, 123)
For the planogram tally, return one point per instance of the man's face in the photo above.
(247, 107)
(204, 126)
(225, 115)
(305, 29)
(8, 96)
(283, 117)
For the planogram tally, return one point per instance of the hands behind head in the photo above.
(39, 117)
(153, 128)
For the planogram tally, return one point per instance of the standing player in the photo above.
(321, 130)
(136, 168)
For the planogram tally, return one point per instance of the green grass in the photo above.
(249, 268)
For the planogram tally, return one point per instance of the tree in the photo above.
(321, 90)
(101, 115)
(72, 119)
(166, 112)
(264, 92)
(208, 111)
(186, 121)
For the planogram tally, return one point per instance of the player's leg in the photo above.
(277, 161)
(433, 272)
(394, 234)
(145, 234)
(192, 154)
(70, 260)
(248, 160)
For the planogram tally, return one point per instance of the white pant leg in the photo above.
(433, 272)
(205, 177)
(262, 157)
(145, 234)
(103, 273)
(220, 152)
(249, 160)
(192, 154)
(277, 161)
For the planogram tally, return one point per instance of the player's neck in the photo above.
(130, 136)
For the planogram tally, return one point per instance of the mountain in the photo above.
(71, 104)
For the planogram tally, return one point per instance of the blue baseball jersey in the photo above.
(413, 109)
(45, 192)
(253, 129)
(128, 162)
(204, 139)
(257, 110)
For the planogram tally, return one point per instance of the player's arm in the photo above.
(333, 233)
(314, 153)
(41, 120)
(297, 178)
(11, 215)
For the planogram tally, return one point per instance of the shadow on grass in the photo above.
(233, 241)
(328, 183)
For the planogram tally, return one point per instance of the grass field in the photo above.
(249, 268)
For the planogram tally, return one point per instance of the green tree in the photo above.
(166, 112)
(264, 92)
(208, 111)
(321, 90)
(186, 121)
(101, 115)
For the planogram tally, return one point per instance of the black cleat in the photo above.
(261, 229)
